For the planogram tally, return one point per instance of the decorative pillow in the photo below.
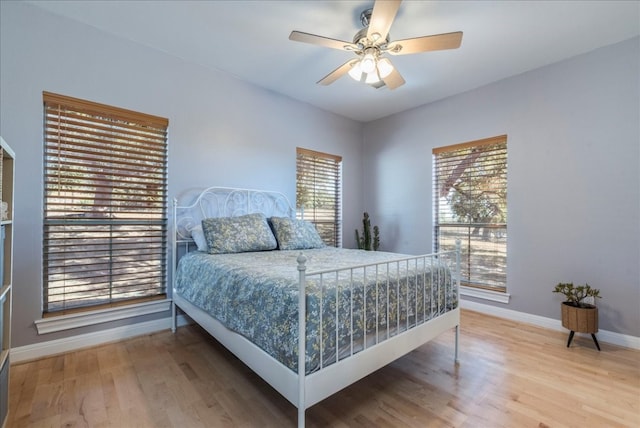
(240, 234)
(197, 234)
(293, 234)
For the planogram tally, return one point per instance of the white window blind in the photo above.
(470, 204)
(319, 193)
(105, 204)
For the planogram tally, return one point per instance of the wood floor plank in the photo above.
(510, 375)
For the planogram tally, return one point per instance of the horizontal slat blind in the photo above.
(470, 204)
(319, 192)
(105, 202)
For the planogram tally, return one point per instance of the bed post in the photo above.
(174, 258)
(302, 328)
(458, 252)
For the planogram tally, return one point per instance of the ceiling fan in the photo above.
(371, 43)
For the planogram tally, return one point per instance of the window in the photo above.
(470, 204)
(105, 205)
(318, 193)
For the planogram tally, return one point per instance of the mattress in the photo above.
(256, 295)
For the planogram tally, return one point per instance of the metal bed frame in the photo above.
(302, 389)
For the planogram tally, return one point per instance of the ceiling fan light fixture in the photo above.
(372, 78)
(384, 67)
(356, 71)
(368, 63)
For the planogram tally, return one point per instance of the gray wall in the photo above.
(573, 179)
(221, 131)
(574, 203)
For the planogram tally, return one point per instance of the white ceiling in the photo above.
(249, 39)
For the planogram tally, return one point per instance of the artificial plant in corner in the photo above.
(368, 241)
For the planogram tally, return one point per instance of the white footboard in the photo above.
(427, 307)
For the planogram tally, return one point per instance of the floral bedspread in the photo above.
(256, 294)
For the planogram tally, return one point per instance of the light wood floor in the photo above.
(510, 375)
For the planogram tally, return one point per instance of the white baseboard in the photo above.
(550, 323)
(59, 346)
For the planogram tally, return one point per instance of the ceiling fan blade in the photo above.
(426, 43)
(336, 74)
(394, 79)
(299, 36)
(384, 12)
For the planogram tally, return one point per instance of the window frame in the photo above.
(325, 171)
(447, 174)
(133, 205)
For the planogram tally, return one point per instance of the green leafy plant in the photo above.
(368, 241)
(575, 295)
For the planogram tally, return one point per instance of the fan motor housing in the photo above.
(362, 41)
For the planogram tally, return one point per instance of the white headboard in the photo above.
(227, 202)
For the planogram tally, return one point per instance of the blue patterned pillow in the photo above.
(240, 234)
(293, 234)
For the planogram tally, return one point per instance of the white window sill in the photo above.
(82, 319)
(479, 293)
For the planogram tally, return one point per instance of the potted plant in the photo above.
(577, 315)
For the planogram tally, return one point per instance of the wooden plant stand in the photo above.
(581, 320)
